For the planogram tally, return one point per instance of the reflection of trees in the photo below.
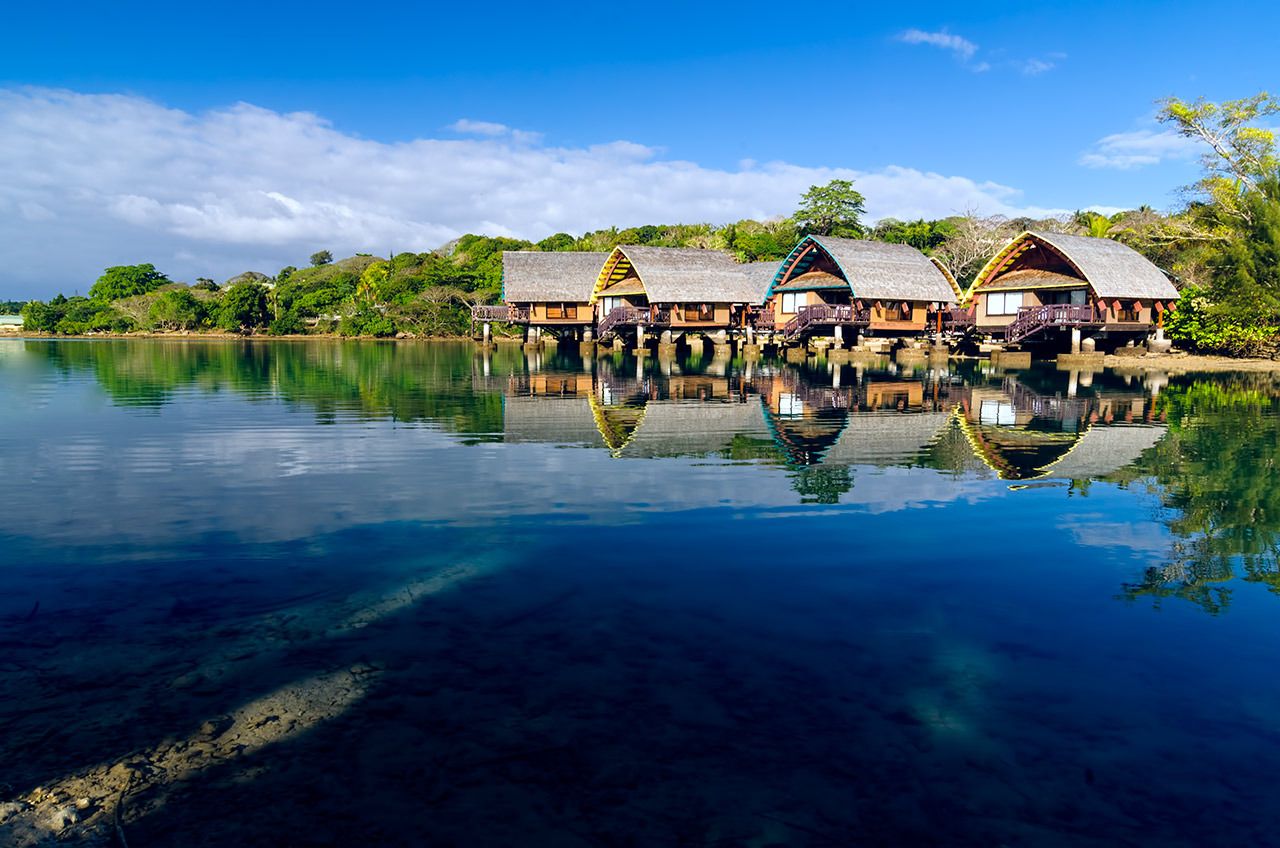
(399, 382)
(822, 484)
(1219, 471)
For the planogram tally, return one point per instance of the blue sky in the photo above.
(213, 138)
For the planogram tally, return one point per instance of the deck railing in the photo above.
(825, 314)
(762, 319)
(1033, 319)
(957, 317)
(501, 312)
(632, 316)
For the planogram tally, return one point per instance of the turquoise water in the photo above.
(329, 593)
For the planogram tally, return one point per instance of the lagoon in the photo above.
(320, 592)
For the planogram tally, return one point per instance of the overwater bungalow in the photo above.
(834, 286)
(546, 290)
(1042, 285)
(674, 291)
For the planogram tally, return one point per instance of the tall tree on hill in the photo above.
(321, 257)
(831, 210)
(127, 281)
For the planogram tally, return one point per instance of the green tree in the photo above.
(244, 308)
(285, 273)
(321, 257)
(559, 241)
(831, 210)
(1242, 152)
(176, 310)
(40, 317)
(126, 281)
(1246, 283)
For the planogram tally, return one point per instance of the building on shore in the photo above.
(839, 287)
(546, 290)
(673, 291)
(1042, 286)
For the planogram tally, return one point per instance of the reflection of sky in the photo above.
(218, 464)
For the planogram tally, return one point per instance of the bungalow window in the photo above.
(608, 304)
(1004, 303)
(562, 310)
(790, 302)
(698, 312)
(895, 312)
(790, 406)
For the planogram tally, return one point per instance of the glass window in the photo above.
(1079, 297)
(1004, 303)
(789, 301)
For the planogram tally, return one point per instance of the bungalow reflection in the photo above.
(1023, 435)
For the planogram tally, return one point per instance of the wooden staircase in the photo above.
(1035, 319)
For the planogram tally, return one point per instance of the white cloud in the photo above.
(93, 180)
(1032, 67)
(1137, 149)
(962, 47)
(467, 126)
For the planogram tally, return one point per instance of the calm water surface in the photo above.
(334, 593)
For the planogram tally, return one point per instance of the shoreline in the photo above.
(1175, 362)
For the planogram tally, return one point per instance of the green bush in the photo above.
(366, 322)
(1199, 325)
(288, 324)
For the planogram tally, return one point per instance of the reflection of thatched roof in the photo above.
(556, 420)
(885, 438)
(1104, 449)
(1112, 269)
(529, 276)
(694, 428)
(874, 270)
(681, 275)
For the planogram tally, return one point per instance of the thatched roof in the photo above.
(761, 275)
(886, 438)
(681, 275)
(533, 276)
(1034, 278)
(812, 280)
(631, 285)
(556, 420)
(1104, 449)
(874, 270)
(1112, 269)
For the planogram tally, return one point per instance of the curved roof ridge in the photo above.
(876, 270)
(684, 274)
(1111, 268)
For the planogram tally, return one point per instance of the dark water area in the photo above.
(324, 593)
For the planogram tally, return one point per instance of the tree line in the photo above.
(1221, 249)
